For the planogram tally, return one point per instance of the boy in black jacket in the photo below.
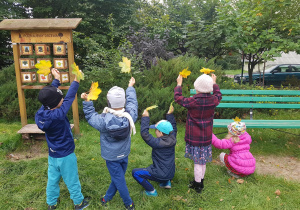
(163, 153)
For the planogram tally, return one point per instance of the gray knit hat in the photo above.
(204, 84)
(116, 97)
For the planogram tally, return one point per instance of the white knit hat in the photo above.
(116, 97)
(204, 84)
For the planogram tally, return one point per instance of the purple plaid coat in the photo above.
(201, 108)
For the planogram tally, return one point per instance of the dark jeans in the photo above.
(142, 175)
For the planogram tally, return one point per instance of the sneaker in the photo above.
(233, 174)
(52, 207)
(130, 207)
(166, 185)
(151, 193)
(103, 201)
(85, 203)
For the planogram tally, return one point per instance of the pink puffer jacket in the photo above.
(239, 157)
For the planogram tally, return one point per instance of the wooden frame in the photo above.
(28, 77)
(45, 78)
(64, 77)
(26, 49)
(60, 63)
(59, 49)
(40, 49)
(27, 63)
(40, 59)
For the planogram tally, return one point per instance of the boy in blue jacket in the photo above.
(163, 153)
(116, 124)
(62, 162)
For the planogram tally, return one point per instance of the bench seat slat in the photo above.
(259, 105)
(261, 99)
(219, 123)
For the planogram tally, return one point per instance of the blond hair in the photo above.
(234, 138)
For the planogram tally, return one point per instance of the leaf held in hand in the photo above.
(125, 65)
(185, 73)
(151, 107)
(206, 71)
(44, 67)
(94, 91)
(77, 72)
(171, 108)
(236, 119)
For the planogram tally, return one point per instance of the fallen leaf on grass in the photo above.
(221, 200)
(177, 198)
(240, 181)
(268, 198)
(93, 158)
(229, 181)
(277, 192)
(217, 182)
(186, 169)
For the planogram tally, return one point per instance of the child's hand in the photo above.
(145, 113)
(75, 79)
(131, 82)
(214, 78)
(179, 80)
(55, 73)
(84, 96)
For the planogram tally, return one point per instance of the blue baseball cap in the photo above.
(164, 126)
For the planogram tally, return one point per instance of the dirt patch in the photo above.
(285, 167)
(33, 150)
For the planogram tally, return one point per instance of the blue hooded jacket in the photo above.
(115, 137)
(163, 150)
(56, 125)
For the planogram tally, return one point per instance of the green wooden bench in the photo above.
(259, 99)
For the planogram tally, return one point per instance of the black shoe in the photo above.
(103, 201)
(197, 186)
(85, 203)
(53, 206)
(130, 207)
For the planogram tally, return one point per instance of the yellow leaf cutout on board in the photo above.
(206, 70)
(77, 72)
(185, 73)
(125, 65)
(236, 119)
(44, 67)
(94, 91)
(151, 107)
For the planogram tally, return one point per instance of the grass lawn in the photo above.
(23, 182)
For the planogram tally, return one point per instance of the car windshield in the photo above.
(269, 69)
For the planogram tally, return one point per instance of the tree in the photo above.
(260, 29)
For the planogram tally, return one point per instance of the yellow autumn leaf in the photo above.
(77, 72)
(236, 119)
(44, 67)
(206, 70)
(125, 65)
(185, 73)
(171, 108)
(94, 91)
(151, 107)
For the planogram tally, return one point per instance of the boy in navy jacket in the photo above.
(163, 153)
(62, 162)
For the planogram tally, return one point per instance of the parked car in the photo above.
(275, 75)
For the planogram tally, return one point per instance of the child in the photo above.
(163, 153)
(62, 161)
(115, 125)
(240, 162)
(199, 123)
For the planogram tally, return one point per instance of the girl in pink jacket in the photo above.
(239, 162)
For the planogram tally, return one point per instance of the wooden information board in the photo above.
(32, 41)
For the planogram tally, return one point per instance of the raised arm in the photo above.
(221, 144)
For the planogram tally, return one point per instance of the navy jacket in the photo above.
(56, 125)
(163, 150)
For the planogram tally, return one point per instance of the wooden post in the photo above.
(21, 95)
(71, 76)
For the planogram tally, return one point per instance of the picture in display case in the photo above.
(64, 77)
(45, 78)
(40, 49)
(48, 51)
(59, 49)
(28, 77)
(60, 63)
(26, 49)
(27, 63)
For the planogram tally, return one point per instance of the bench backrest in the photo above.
(277, 99)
